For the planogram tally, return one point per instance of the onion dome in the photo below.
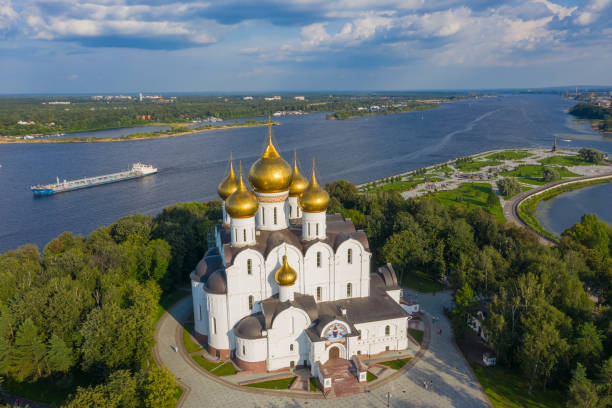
(230, 184)
(298, 182)
(270, 173)
(242, 203)
(286, 275)
(314, 199)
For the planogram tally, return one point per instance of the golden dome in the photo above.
(298, 182)
(270, 173)
(242, 203)
(314, 199)
(286, 275)
(230, 184)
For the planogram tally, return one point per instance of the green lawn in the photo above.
(563, 160)
(205, 364)
(507, 389)
(282, 384)
(471, 195)
(190, 345)
(417, 334)
(225, 369)
(509, 155)
(313, 384)
(404, 185)
(476, 165)
(532, 173)
(396, 364)
(420, 282)
(370, 376)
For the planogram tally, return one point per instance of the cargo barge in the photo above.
(137, 170)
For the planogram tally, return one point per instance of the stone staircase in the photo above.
(344, 381)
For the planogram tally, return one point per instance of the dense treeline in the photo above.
(591, 111)
(548, 308)
(84, 114)
(409, 107)
(84, 312)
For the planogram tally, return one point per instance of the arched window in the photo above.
(291, 347)
(387, 330)
(349, 290)
(243, 350)
(214, 325)
(349, 256)
(249, 266)
(317, 228)
(251, 300)
(275, 220)
(319, 259)
(319, 290)
(263, 216)
(244, 235)
(200, 312)
(308, 228)
(290, 211)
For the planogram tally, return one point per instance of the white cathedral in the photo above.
(287, 284)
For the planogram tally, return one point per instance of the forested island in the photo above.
(381, 110)
(77, 322)
(48, 115)
(600, 117)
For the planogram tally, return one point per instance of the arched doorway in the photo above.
(334, 352)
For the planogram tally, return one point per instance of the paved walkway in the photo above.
(454, 385)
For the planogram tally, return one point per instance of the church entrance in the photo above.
(334, 352)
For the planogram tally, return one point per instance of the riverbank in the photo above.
(175, 131)
(342, 115)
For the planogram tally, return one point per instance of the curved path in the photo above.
(511, 206)
(454, 384)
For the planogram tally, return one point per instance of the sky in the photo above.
(93, 46)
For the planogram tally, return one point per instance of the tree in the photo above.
(159, 389)
(28, 360)
(59, 355)
(508, 186)
(550, 174)
(465, 302)
(492, 199)
(582, 392)
(592, 233)
(591, 155)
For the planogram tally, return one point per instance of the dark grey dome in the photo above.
(250, 327)
(217, 283)
(200, 269)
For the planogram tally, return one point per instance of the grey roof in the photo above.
(272, 307)
(338, 230)
(217, 283)
(206, 267)
(386, 275)
(250, 327)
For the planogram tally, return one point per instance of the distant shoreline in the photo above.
(134, 136)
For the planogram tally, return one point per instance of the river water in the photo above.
(563, 211)
(190, 167)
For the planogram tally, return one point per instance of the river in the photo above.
(190, 167)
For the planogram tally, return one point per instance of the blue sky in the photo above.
(266, 45)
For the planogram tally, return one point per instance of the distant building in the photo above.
(58, 103)
(24, 122)
(274, 98)
(140, 96)
(299, 98)
(247, 98)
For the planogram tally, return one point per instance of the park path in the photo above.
(454, 384)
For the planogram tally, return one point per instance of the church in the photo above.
(287, 284)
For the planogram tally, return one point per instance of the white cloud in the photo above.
(8, 17)
(558, 10)
(592, 12)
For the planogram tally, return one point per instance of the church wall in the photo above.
(275, 260)
(374, 340)
(218, 322)
(356, 272)
(200, 311)
(268, 204)
(287, 340)
(394, 294)
(252, 350)
(315, 276)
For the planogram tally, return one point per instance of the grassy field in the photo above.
(190, 345)
(405, 185)
(282, 384)
(370, 376)
(471, 195)
(563, 160)
(417, 334)
(313, 384)
(419, 282)
(396, 364)
(509, 155)
(533, 173)
(506, 389)
(476, 165)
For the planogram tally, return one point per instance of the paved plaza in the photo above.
(453, 383)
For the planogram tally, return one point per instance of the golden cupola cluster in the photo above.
(285, 275)
(270, 173)
(242, 203)
(298, 182)
(230, 184)
(314, 199)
